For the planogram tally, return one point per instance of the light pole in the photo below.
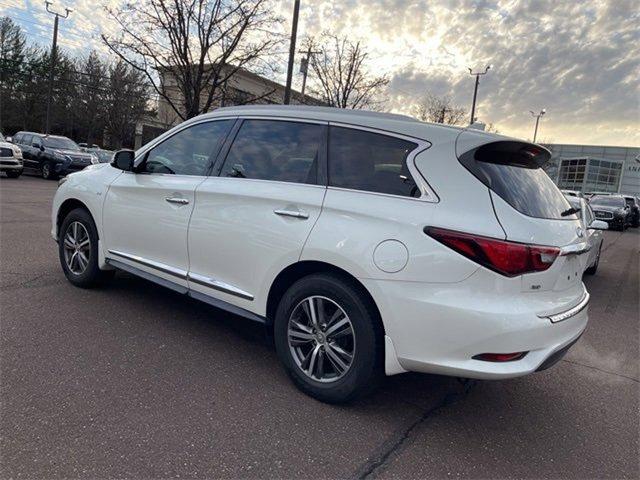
(54, 54)
(475, 90)
(537, 115)
(292, 52)
(304, 67)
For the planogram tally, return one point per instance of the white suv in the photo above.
(367, 243)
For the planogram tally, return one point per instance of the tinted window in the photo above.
(36, 141)
(274, 150)
(189, 151)
(26, 139)
(61, 143)
(369, 161)
(513, 171)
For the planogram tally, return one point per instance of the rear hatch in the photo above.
(528, 205)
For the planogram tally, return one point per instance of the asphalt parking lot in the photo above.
(135, 381)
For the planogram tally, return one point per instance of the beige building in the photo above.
(244, 87)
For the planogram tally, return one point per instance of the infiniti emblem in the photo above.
(579, 232)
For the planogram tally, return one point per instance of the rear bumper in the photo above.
(440, 328)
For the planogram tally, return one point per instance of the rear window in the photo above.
(513, 170)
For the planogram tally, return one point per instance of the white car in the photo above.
(593, 229)
(10, 159)
(367, 243)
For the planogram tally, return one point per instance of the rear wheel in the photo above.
(78, 250)
(329, 339)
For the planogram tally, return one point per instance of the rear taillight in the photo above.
(507, 258)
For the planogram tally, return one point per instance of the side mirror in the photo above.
(123, 160)
(599, 225)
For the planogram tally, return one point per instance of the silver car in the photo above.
(10, 158)
(592, 230)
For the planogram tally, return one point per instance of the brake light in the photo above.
(507, 258)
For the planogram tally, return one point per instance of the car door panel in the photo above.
(142, 228)
(238, 242)
(252, 221)
(146, 215)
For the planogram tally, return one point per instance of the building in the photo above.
(243, 88)
(593, 168)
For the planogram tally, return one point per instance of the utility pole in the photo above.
(52, 63)
(537, 115)
(304, 67)
(292, 52)
(475, 90)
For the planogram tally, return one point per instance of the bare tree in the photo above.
(341, 75)
(189, 49)
(439, 110)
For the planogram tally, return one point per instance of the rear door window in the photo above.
(276, 150)
(513, 170)
(368, 161)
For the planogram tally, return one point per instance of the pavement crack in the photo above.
(602, 371)
(393, 445)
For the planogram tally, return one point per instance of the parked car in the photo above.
(613, 209)
(345, 234)
(10, 159)
(593, 232)
(634, 206)
(51, 155)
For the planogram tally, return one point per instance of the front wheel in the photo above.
(48, 172)
(78, 250)
(329, 338)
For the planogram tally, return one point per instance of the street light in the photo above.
(475, 91)
(537, 115)
(52, 59)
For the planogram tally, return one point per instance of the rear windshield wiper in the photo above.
(571, 211)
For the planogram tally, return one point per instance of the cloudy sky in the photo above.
(578, 59)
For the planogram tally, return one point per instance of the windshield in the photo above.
(61, 143)
(608, 201)
(104, 156)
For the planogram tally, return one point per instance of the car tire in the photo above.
(48, 171)
(79, 260)
(357, 331)
(594, 268)
(13, 174)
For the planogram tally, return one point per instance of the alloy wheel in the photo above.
(77, 248)
(321, 339)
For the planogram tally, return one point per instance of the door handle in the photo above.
(291, 213)
(177, 200)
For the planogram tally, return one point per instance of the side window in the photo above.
(189, 151)
(36, 141)
(368, 161)
(26, 140)
(275, 150)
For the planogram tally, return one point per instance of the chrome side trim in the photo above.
(146, 275)
(216, 302)
(291, 213)
(575, 249)
(558, 317)
(176, 272)
(218, 285)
